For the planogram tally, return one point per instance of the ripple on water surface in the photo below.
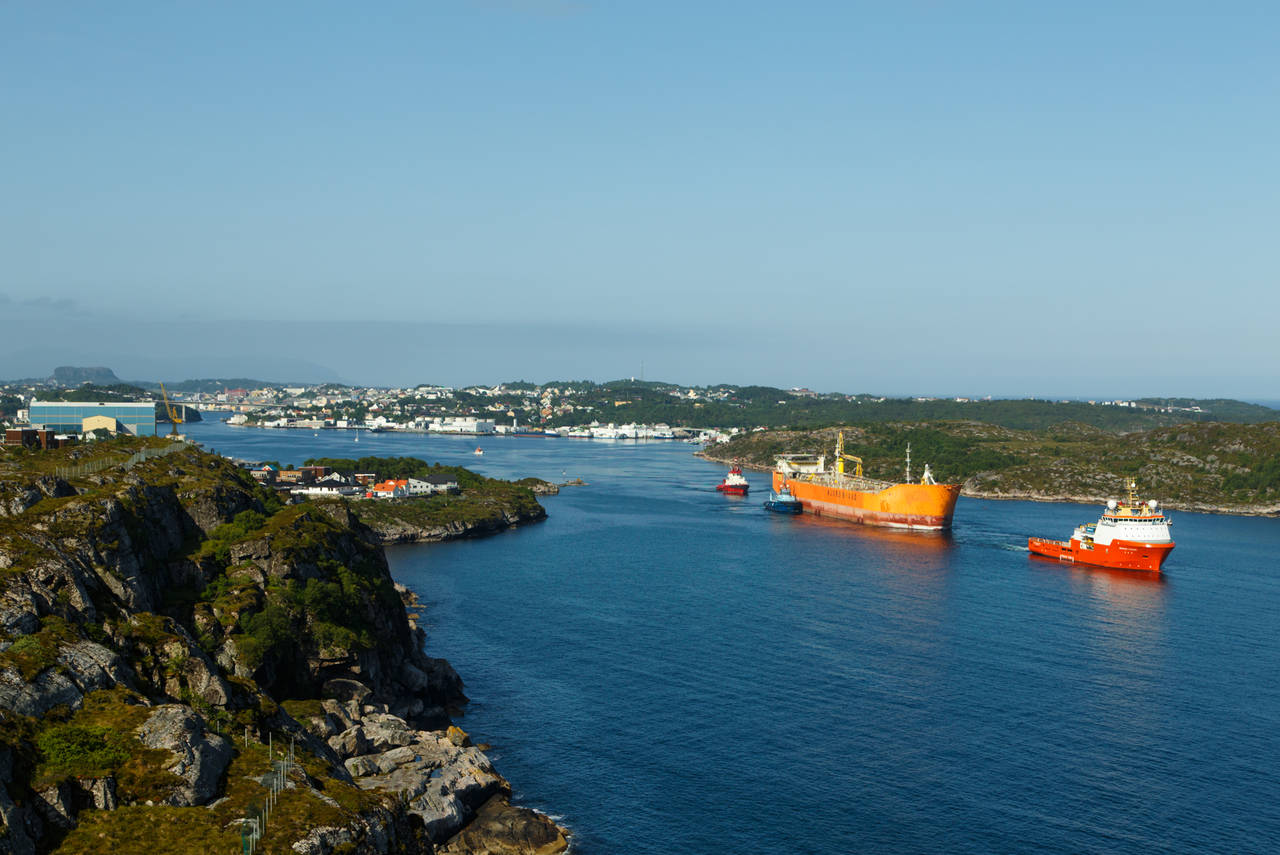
(677, 671)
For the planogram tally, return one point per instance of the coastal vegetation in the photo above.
(166, 619)
(480, 506)
(1214, 466)
(763, 406)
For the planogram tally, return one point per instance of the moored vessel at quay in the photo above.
(832, 492)
(1130, 535)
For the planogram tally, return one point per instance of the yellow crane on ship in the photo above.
(174, 418)
(841, 457)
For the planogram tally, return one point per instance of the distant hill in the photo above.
(117, 391)
(211, 385)
(1231, 468)
(70, 375)
(1222, 409)
(625, 401)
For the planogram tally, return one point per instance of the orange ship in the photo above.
(1132, 535)
(925, 505)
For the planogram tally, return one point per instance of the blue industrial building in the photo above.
(138, 419)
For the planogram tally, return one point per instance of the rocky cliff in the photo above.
(169, 634)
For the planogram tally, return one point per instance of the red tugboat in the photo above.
(1130, 535)
(734, 484)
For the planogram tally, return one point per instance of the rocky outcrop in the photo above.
(17, 496)
(59, 804)
(406, 531)
(199, 757)
(173, 600)
(438, 777)
(83, 667)
(500, 828)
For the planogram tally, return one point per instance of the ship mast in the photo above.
(908, 463)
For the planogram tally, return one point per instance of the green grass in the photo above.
(32, 654)
(98, 740)
(245, 526)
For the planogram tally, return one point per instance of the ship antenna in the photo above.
(908, 463)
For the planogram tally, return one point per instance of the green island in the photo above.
(180, 650)
(766, 406)
(1216, 467)
(481, 505)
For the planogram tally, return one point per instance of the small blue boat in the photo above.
(782, 502)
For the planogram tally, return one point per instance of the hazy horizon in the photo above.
(913, 199)
(410, 354)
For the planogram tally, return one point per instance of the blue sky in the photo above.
(973, 198)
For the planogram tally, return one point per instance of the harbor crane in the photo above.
(174, 418)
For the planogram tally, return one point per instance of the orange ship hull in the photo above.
(927, 507)
(1120, 554)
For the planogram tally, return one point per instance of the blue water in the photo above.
(671, 670)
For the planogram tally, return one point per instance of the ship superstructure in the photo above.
(734, 483)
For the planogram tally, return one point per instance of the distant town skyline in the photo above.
(410, 354)
(1015, 200)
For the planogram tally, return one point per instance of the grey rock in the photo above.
(358, 767)
(350, 743)
(93, 666)
(14, 839)
(18, 616)
(442, 813)
(85, 667)
(386, 731)
(413, 678)
(56, 804)
(200, 758)
(390, 761)
(441, 782)
(48, 690)
(197, 670)
(99, 792)
(344, 689)
(342, 718)
(408, 708)
(324, 840)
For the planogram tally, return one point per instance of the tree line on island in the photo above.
(1232, 468)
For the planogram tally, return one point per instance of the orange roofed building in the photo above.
(389, 489)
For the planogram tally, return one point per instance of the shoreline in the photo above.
(1031, 496)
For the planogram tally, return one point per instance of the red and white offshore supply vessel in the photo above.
(1130, 535)
(735, 483)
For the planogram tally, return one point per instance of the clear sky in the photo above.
(946, 197)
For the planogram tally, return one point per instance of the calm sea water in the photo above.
(671, 670)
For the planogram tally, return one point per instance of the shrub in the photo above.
(83, 750)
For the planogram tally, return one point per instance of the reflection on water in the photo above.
(918, 542)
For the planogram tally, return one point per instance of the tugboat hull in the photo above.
(1119, 554)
